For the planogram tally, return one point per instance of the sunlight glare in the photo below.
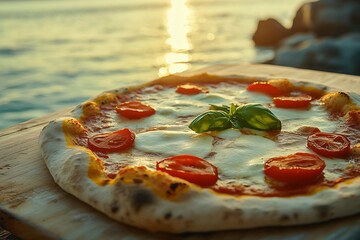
(178, 27)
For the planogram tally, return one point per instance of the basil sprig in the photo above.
(212, 120)
(254, 116)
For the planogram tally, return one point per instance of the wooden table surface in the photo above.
(32, 206)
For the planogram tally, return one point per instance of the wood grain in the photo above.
(33, 207)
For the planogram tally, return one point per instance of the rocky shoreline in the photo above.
(325, 36)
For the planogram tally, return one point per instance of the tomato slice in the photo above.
(191, 168)
(134, 110)
(295, 169)
(109, 142)
(300, 101)
(329, 144)
(190, 89)
(266, 88)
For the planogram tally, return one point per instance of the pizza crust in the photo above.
(193, 209)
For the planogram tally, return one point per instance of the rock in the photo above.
(269, 32)
(302, 20)
(323, 18)
(341, 55)
(325, 36)
(335, 18)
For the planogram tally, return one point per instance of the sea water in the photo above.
(55, 53)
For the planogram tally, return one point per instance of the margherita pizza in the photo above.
(208, 153)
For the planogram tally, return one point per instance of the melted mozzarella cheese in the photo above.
(316, 117)
(239, 157)
(242, 157)
(171, 143)
(245, 96)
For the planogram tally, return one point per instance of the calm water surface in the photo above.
(56, 54)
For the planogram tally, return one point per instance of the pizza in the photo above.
(208, 153)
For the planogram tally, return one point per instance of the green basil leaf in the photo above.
(255, 116)
(211, 121)
(233, 108)
(220, 108)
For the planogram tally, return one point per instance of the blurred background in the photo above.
(55, 53)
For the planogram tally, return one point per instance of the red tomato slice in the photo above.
(300, 101)
(134, 110)
(266, 88)
(191, 168)
(109, 142)
(295, 169)
(190, 89)
(329, 144)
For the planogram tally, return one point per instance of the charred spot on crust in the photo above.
(284, 218)
(323, 211)
(235, 213)
(114, 207)
(167, 215)
(141, 198)
(344, 95)
(173, 187)
(137, 180)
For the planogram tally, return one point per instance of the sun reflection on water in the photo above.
(178, 27)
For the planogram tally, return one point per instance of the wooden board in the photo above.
(33, 207)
